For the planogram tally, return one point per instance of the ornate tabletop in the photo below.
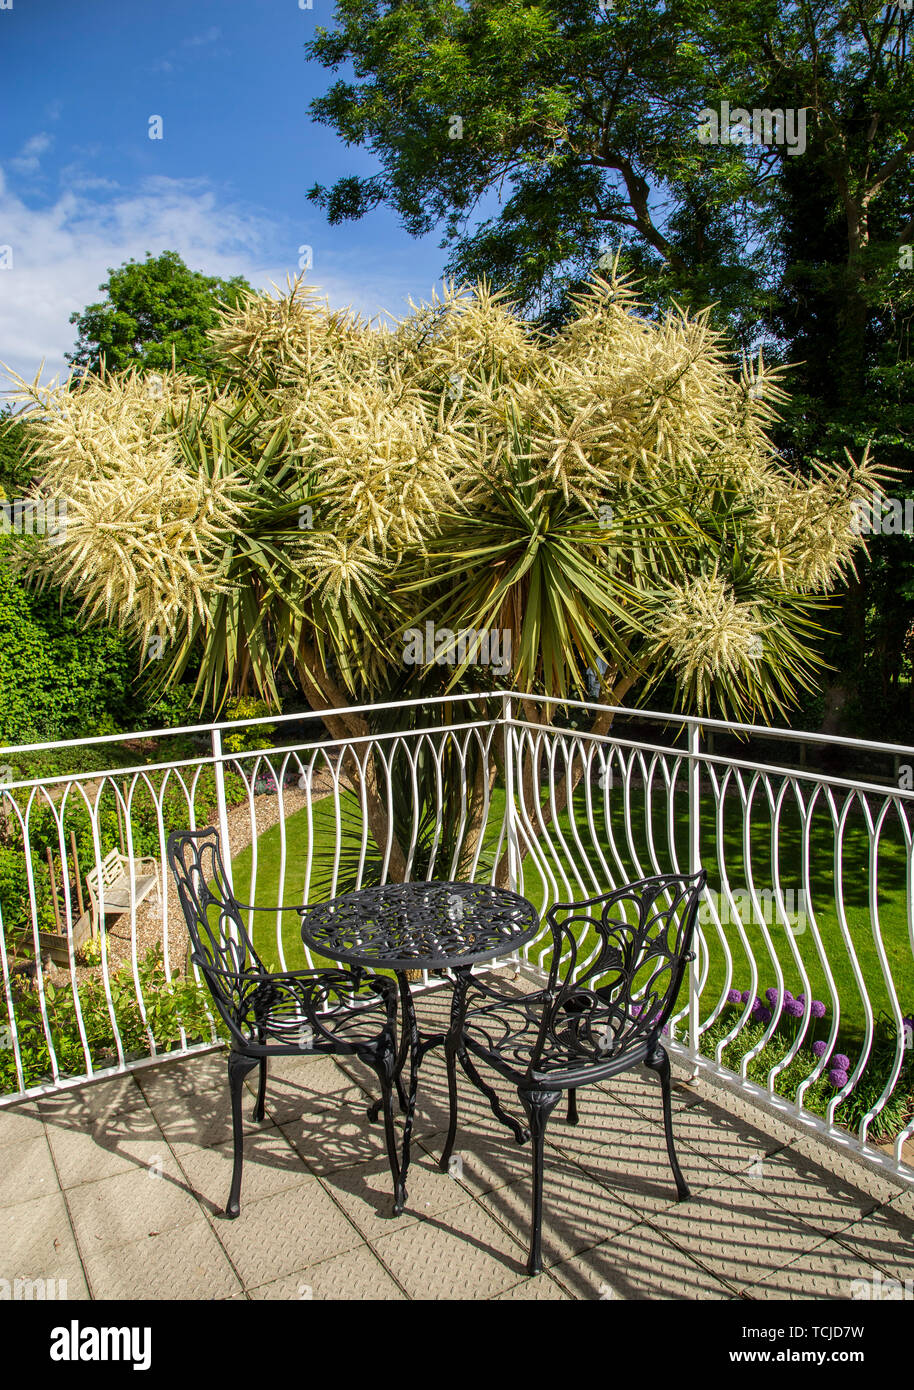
(420, 926)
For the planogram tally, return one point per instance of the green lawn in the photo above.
(891, 894)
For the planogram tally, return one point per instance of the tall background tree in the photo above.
(154, 311)
(533, 134)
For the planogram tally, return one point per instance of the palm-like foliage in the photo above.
(606, 495)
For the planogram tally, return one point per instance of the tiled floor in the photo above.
(118, 1188)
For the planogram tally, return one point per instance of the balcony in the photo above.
(792, 1043)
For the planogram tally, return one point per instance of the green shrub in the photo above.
(247, 707)
(168, 1008)
(59, 678)
(14, 900)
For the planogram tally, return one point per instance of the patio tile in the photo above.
(315, 1088)
(95, 1102)
(289, 1231)
(26, 1170)
(431, 1113)
(130, 1140)
(366, 1194)
(847, 1168)
(831, 1271)
(356, 1276)
(318, 1074)
(741, 1108)
(884, 1239)
(19, 1122)
(542, 1289)
(731, 1143)
(202, 1074)
(626, 1151)
(578, 1212)
(332, 1134)
(737, 1233)
(37, 1242)
(639, 1264)
(463, 1254)
(640, 1089)
(482, 1162)
(130, 1206)
(903, 1203)
(202, 1119)
(271, 1164)
(811, 1192)
(187, 1258)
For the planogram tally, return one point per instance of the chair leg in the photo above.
(260, 1103)
(238, 1068)
(659, 1062)
(572, 1117)
(538, 1105)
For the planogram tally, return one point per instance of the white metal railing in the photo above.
(806, 934)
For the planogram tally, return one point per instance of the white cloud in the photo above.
(177, 56)
(28, 159)
(212, 35)
(62, 253)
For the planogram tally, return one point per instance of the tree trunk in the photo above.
(324, 694)
(528, 790)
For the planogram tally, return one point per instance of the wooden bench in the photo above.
(125, 881)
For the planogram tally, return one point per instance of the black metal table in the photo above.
(424, 926)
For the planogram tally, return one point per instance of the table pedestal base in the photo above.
(414, 1047)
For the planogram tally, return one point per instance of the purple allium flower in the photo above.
(820, 1048)
(745, 997)
(788, 997)
(840, 1062)
(794, 1008)
(838, 1078)
(772, 996)
(817, 1008)
(764, 1015)
(802, 998)
(734, 997)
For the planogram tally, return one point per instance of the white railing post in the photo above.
(694, 866)
(510, 810)
(216, 736)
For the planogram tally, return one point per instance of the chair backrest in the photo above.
(220, 944)
(633, 944)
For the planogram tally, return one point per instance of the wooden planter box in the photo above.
(55, 944)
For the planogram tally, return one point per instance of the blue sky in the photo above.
(82, 186)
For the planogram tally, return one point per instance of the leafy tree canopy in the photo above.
(583, 120)
(155, 311)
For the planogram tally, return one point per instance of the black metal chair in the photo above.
(270, 1013)
(597, 1021)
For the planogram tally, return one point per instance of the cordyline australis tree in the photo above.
(608, 496)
